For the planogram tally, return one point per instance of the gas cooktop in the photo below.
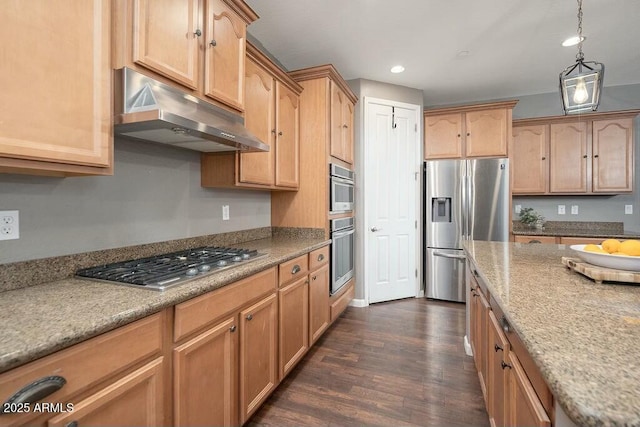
(163, 271)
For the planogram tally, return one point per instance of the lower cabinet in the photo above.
(294, 323)
(318, 302)
(514, 391)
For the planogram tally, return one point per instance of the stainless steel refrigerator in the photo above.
(463, 200)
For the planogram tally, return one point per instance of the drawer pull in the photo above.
(496, 347)
(250, 317)
(72, 424)
(505, 365)
(505, 325)
(296, 269)
(36, 391)
(233, 328)
(320, 257)
(314, 277)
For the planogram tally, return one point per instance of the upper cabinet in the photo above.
(587, 154)
(272, 113)
(199, 44)
(481, 130)
(56, 88)
(341, 146)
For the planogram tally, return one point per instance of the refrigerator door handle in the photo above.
(443, 255)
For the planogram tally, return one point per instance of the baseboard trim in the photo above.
(467, 346)
(358, 303)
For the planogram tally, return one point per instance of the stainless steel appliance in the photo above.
(149, 110)
(464, 200)
(163, 271)
(342, 189)
(342, 256)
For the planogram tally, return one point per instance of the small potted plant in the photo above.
(530, 217)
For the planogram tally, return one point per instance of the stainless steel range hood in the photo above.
(149, 110)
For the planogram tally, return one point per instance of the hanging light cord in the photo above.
(580, 55)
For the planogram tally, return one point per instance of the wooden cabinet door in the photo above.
(258, 350)
(486, 133)
(525, 409)
(581, 240)
(612, 156)
(294, 324)
(530, 165)
(347, 115)
(165, 38)
(55, 79)
(135, 400)
(498, 348)
(259, 118)
(568, 153)
(318, 302)
(482, 324)
(225, 46)
(337, 124)
(443, 136)
(287, 146)
(205, 377)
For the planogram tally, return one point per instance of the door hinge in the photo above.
(416, 127)
(416, 224)
(416, 272)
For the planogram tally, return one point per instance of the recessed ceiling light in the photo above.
(572, 41)
(397, 69)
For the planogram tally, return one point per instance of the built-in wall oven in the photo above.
(342, 257)
(342, 189)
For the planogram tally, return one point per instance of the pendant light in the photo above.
(581, 83)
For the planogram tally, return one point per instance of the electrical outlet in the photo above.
(561, 210)
(518, 208)
(225, 212)
(628, 209)
(574, 210)
(9, 225)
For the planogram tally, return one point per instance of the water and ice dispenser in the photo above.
(441, 209)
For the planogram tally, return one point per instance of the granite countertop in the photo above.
(614, 230)
(583, 336)
(39, 320)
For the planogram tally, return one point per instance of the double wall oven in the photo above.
(341, 203)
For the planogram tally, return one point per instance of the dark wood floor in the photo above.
(398, 363)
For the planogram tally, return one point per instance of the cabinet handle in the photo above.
(314, 277)
(496, 347)
(213, 43)
(280, 133)
(505, 365)
(345, 126)
(544, 158)
(72, 424)
(505, 325)
(321, 257)
(37, 390)
(197, 33)
(596, 156)
(273, 131)
(468, 133)
(233, 328)
(296, 269)
(249, 316)
(458, 135)
(584, 157)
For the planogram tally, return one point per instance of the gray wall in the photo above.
(591, 208)
(362, 88)
(154, 195)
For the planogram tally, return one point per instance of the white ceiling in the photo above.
(513, 45)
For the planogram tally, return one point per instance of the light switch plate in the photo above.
(628, 209)
(561, 210)
(574, 210)
(9, 225)
(225, 212)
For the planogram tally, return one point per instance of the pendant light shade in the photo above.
(581, 83)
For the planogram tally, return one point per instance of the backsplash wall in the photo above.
(154, 195)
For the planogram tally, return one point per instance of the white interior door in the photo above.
(392, 166)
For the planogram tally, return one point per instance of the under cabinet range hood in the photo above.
(148, 110)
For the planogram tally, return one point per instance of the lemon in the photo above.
(594, 248)
(619, 254)
(611, 245)
(630, 247)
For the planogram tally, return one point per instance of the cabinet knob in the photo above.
(314, 277)
(213, 43)
(584, 157)
(321, 257)
(72, 424)
(345, 126)
(468, 133)
(249, 316)
(505, 365)
(197, 33)
(458, 135)
(596, 156)
(496, 347)
(544, 158)
(273, 131)
(505, 325)
(296, 269)
(233, 328)
(280, 133)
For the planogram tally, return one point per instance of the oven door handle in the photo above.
(442, 254)
(342, 180)
(342, 233)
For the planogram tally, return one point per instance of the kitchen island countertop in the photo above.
(39, 320)
(583, 337)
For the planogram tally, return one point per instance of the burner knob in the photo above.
(246, 256)
(205, 267)
(221, 263)
(191, 272)
(237, 258)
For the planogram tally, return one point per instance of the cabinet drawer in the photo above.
(199, 312)
(293, 269)
(581, 240)
(318, 257)
(338, 306)
(534, 239)
(86, 364)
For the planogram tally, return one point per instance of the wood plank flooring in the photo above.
(400, 363)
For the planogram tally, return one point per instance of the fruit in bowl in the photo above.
(612, 253)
